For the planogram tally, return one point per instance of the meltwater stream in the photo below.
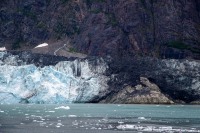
(105, 118)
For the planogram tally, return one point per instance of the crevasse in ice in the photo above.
(66, 82)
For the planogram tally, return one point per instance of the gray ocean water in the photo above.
(94, 118)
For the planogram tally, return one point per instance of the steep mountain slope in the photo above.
(158, 28)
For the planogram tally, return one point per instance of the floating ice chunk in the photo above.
(141, 118)
(39, 121)
(93, 128)
(1, 111)
(120, 122)
(63, 107)
(110, 126)
(42, 45)
(123, 127)
(75, 123)
(72, 116)
(60, 124)
(166, 128)
(50, 111)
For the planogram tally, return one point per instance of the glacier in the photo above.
(65, 82)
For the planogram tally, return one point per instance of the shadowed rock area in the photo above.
(150, 80)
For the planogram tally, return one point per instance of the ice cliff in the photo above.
(35, 78)
(65, 82)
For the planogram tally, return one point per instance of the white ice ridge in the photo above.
(66, 82)
(42, 45)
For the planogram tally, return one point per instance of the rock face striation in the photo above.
(158, 28)
(24, 79)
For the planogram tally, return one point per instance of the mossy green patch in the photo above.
(41, 25)
(64, 1)
(17, 43)
(90, 2)
(96, 11)
(28, 13)
(178, 45)
(72, 50)
(182, 46)
(111, 19)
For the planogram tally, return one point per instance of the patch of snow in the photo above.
(42, 45)
(2, 48)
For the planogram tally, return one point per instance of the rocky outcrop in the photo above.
(158, 28)
(144, 93)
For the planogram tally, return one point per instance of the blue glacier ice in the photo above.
(66, 82)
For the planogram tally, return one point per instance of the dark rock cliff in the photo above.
(130, 31)
(150, 80)
(158, 28)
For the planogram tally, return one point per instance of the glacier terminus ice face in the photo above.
(65, 82)
(26, 77)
